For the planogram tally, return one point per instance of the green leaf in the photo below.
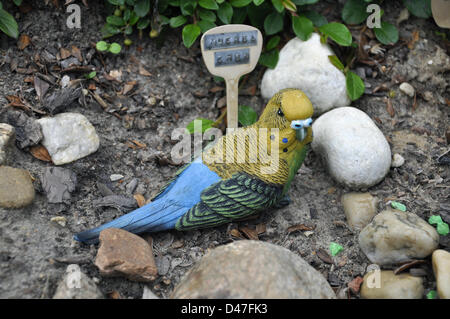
(432, 294)
(273, 42)
(273, 23)
(225, 12)
(90, 75)
(115, 48)
(338, 33)
(419, 8)
(258, 2)
(187, 7)
(269, 58)
(302, 26)
(190, 34)
(355, 88)
(207, 15)
(208, 4)
(335, 249)
(205, 125)
(278, 5)
(304, 2)
(239, 15)
(205, 25)
(114, 2)
(17, 2)
(354, 12)
(143, 23)
(336, 62)
(240, 3)
(387, 34)
(178, 21)
(115, 21)
(102, 46)
(133, 18)
(142, 8)
(8, 24)
(247, 115)
(318, 19)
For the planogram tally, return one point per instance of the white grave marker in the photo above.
(230, 51)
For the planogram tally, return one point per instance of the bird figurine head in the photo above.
(291, 112)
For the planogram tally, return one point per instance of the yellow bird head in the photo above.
(289, 110)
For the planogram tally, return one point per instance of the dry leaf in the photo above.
(23, 42)
(355, 284)
(414, 39)
(140, 199)
(299, 227)
(77, 53)
(92, 87)
(249, 233)
(260, 229)
(64, 53)
(41, 87)
(216, 89)
(143, 71)
(236, 233)
(114, 295)
(40, 152)
(139, 144)
(128, 87)
(324, 256)
(390, 108)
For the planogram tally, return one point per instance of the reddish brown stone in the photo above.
(124, 254)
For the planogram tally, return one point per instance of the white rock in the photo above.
(407, 88)
(305, 65)
(76, 285)
(441, 269)
(397, 160)
(354, 150)
(148, 294)
(68, 137)
(394, 237)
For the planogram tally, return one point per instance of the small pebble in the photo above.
(397, 160)
(61, 220)
(116, 177)
(359, 208)
(7, 137)
(16, 187)
(77, 285)
(407, 88)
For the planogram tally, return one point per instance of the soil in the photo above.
(34, 251)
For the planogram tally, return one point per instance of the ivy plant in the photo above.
(8, 24)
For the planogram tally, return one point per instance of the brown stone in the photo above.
(124, 254)
(16, 187)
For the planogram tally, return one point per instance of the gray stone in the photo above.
(68, 137)
(359, 208)
(7, 136)
(16, 187)
(28, 131)
(305, 65)
(354, 150)
(77, 285)
(394, 237)
(385, 285)
(148, 294)
(115, 177)
(58, 183)
(441, 269)
(253, 269)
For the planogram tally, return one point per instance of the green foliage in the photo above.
(8, 24)
(247, 115)
(272, 17)
(104, 46)
(205, 125)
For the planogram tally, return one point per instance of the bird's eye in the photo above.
(280, 112)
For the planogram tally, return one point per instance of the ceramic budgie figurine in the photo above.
(213, 190)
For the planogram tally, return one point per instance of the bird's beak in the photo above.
(300, 127)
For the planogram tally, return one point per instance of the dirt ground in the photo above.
(34, 251)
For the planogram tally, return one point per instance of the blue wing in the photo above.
(161, 214)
